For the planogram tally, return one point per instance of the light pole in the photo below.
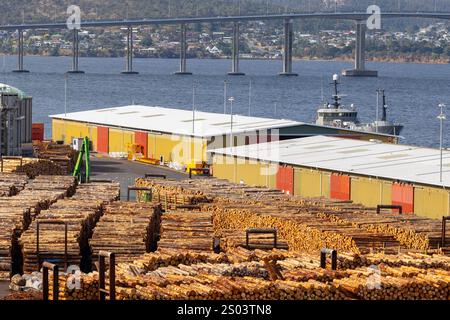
(231, 99)
(225, 96)
(441, 118)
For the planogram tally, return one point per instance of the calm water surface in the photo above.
(413, 90)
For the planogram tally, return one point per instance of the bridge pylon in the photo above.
(183, 52)
(235, 68)
(20, 50)
(288, 47)
(360, 54)
(130, 52)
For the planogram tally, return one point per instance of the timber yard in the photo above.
(140, 203)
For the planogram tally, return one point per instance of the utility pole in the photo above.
(250, 98)
(225, 96)
(441, 118)
(193, 108)
(231, 123)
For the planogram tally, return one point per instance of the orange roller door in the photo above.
(285, 179)
(141, 138)
(403, 195)
(340, 187)
(103, 139)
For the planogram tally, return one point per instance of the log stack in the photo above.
(127, 229)
(81, 213)
(350, 227)
(98, 191)
(10, 165)
(62, 155)
(17, 212)
(187, 230)
(41, 167)
(11, 184)
(80, 217)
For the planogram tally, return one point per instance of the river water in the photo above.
(413, 90)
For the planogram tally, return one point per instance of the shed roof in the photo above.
(374, 159)
(174, 121)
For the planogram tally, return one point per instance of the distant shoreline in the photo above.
(406, 60)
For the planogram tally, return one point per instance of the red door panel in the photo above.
(102, 139)
(340, 187)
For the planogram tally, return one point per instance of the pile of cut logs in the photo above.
(10, 164)
(63, 155)
(187, 230)
(41, 167)
(98, 191)
(306, 224)
(17, 212)
(80, 213)
(11, 184)
(80, 218)
(127, 229)
(262, 275)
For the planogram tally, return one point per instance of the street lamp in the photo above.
(225, 96)
(441, 118)
(231, 99)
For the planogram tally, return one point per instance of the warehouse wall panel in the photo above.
(367, 191)
(403, 195)
(141, 138)
(120, 140)
(103, 139)
(223, 167)
(326, 184)
(307, 183)
(340, 187)
(431, 202)
(285, 179)
(386, 192)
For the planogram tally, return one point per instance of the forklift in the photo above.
(83, 172)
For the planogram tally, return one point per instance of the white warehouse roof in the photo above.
(389, 161)
(174, 121)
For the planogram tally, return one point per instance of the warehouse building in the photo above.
(15, 121)
(364, 172)
(181, 136)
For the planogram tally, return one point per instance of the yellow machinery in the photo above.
(196, 167)
(136, 153)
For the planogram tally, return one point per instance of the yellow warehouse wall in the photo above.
(176, 149)
(68, 130)
(431, 202)
(223, 167)
(120, 140)
(250, 172)
(326, 184)
(307, 183)
(366, 191)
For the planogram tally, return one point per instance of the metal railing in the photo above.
(38, 229)
(156, 176)
(102, 292)
(323, 258)
(45, 285)
(204, 171)
(444, 231)
(382, 206)
(273, 232)
(136, 189)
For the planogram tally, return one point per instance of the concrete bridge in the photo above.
(360, 19)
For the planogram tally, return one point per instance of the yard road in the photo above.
(126, 172)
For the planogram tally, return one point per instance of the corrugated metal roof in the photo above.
(176, 121)
(389, 161)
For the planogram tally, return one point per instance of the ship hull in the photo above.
(394, 130)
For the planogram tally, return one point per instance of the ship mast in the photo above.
(336, 96)
(384, 116)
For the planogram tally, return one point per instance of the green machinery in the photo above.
(84, 153)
